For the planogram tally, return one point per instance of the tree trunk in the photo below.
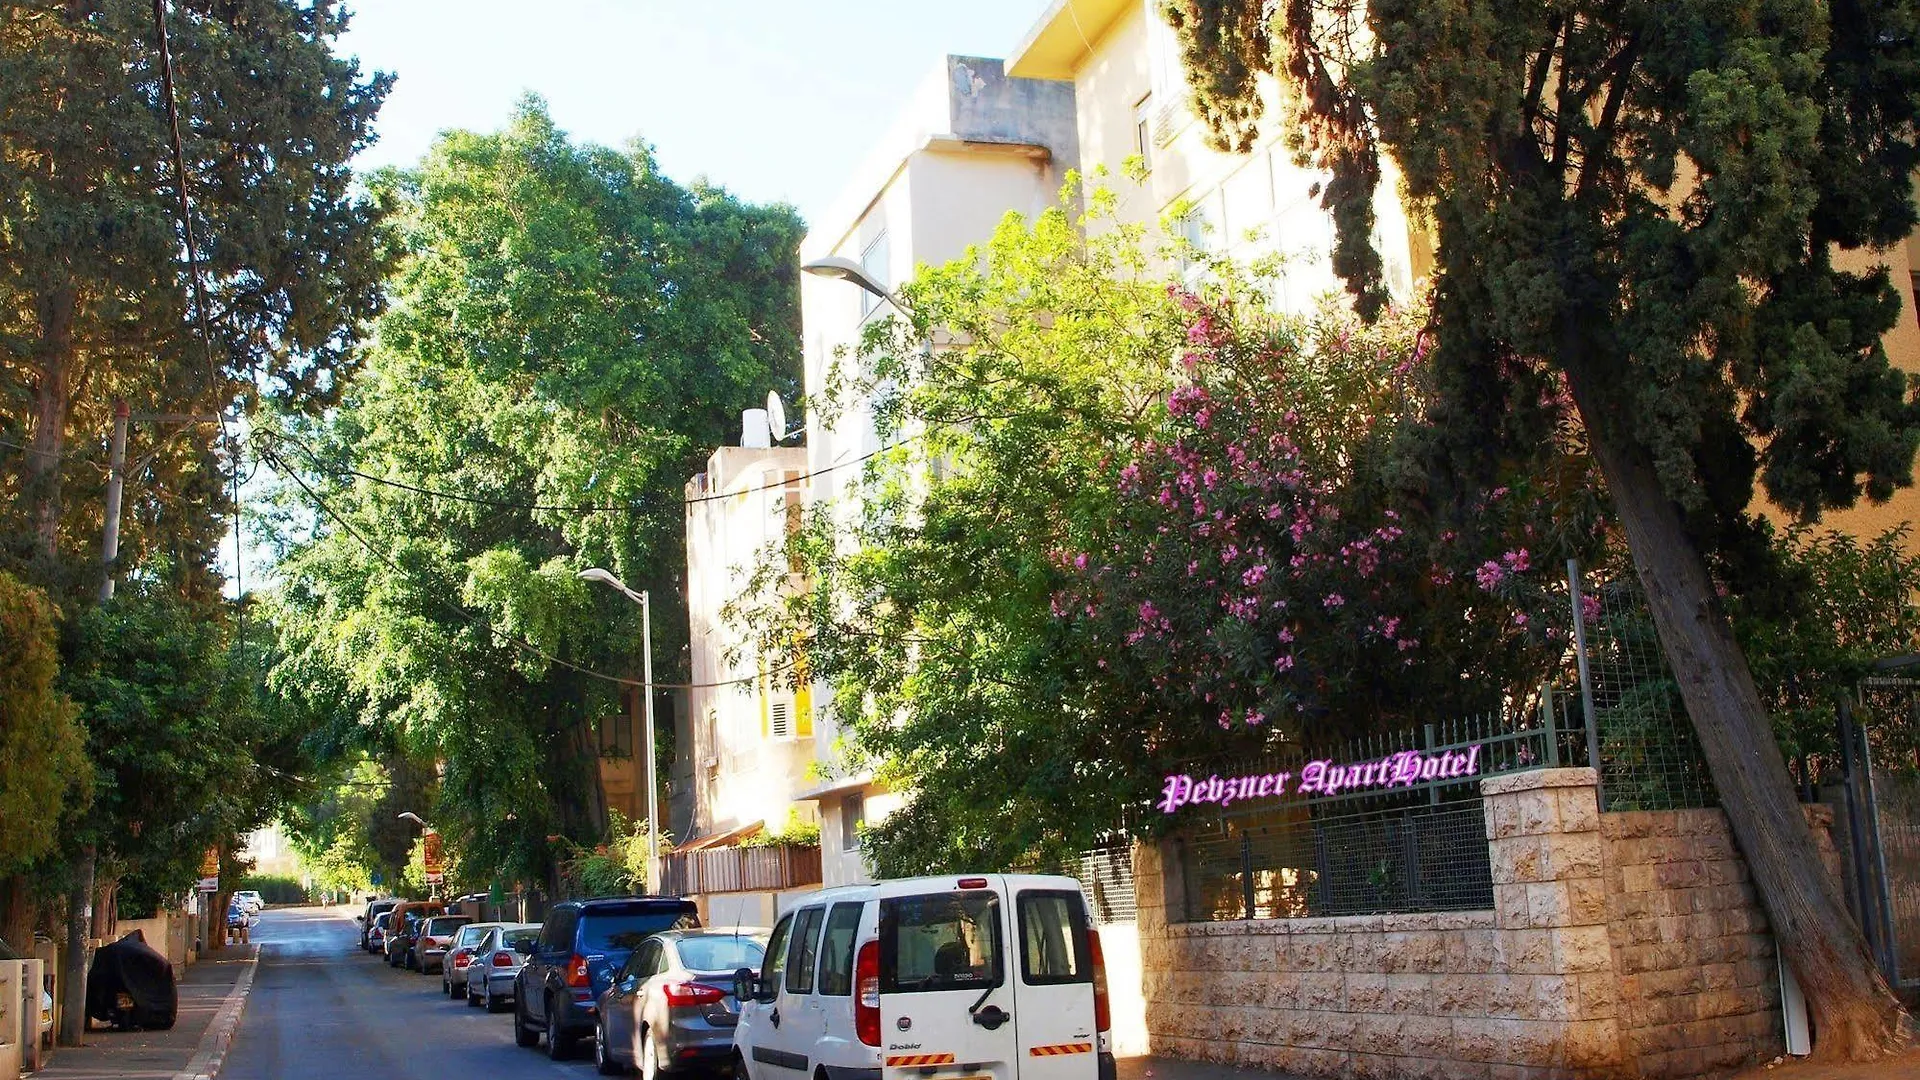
(73, 966)
(51, 401)
(17, 914)
(1856, 1015)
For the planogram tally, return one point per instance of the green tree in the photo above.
(43, 764)
(571, 333)
(94, 302)
(1649, 198)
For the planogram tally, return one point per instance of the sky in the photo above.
(775, 100)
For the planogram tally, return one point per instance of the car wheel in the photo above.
(603, 1060)
(556, 1038)
(737, 1067)
(472, 999)
(523, 1034)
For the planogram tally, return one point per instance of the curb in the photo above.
(212, 1053)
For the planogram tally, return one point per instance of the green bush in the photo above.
(276, 888)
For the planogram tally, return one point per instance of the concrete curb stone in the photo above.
(212, 1052)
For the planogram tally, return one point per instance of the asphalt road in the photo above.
(323, 1010)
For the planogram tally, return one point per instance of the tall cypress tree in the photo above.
(1645, 198)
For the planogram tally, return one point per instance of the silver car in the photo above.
(496, 961)
(460, 953)
(672, 1005)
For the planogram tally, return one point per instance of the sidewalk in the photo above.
(211, 997)
(1164, 1068)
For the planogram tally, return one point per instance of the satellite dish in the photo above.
(777, 417)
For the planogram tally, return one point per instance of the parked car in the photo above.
(496, 964)
(377, 933)
(430, 945)
(460, 950)
(582, 944)
(400, 934)
(673, 1004)
(365, 919)
(405, 926)
(1001, 971)
(251, 900)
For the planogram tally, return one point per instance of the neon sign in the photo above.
(1322, 777)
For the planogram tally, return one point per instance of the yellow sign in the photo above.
(430, 853)
(210, 866)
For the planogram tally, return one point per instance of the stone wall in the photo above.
(1699, 981)
(1619, 945)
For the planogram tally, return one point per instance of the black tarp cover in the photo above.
(130, 966)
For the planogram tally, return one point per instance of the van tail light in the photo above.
(1102, 1009)
(503, 959)
(577, 971)
(693, 994)
(866, 993)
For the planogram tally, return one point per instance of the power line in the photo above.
(198, 281)
(280, 465)
(589, 508)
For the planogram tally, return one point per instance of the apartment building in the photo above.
(971, 145)
(747, 736)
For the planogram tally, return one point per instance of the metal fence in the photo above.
(1421, 847)
(1879, 737)
(1424, 848)
(1649, 757)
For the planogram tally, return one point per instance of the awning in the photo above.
(844, 786)
(720, 839)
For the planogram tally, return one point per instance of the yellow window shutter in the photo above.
(803, 710)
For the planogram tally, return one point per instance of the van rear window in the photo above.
(940, 941)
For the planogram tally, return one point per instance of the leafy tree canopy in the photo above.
(43, 765)
(571, 333)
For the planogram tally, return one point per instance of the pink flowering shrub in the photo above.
(1275, 558)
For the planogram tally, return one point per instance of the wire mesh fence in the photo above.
(1411, 848)
(1650, 758)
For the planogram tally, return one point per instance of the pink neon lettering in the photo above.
(1429, 768)
(1321, 777)
(1176, 793)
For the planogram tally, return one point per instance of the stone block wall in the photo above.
(1698, 975)
(1619, 945)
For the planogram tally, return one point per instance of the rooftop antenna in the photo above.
(777, 418)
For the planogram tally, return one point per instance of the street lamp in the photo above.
(844, 269)
(646, 675)
(409, 815)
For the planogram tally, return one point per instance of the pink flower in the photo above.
(1490, 575)
(1334, 600)
(1284, 663)
(1516, 561)
(1590, 608)
(1254, 575)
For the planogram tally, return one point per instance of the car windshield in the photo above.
(625, 929)
(720, 952)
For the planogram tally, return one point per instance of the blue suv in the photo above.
(582, 945)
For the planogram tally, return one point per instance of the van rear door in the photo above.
(946, 984)
(1058, 1033)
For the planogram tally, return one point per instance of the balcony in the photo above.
(738, 869)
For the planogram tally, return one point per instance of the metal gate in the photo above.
(1880, 764)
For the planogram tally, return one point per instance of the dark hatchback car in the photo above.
(582, 946)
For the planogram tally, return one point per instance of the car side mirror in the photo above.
(765, 990)
(360, 918)
(743, 985)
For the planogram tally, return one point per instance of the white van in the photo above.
(987, 977)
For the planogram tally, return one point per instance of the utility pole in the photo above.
(73, 982)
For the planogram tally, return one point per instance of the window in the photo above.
(874, 262)
(853, 813)
(1053, 938)
(720, 953)
(777, 952)
(806, 949)
(646, 961)
(627, 929)
(1143, 131)
(558, 932)
(780, 718)
(940, 941)
(836, 950)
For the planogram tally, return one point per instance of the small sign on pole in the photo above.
(209, 884)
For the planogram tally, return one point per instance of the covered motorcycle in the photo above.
(131, 986)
